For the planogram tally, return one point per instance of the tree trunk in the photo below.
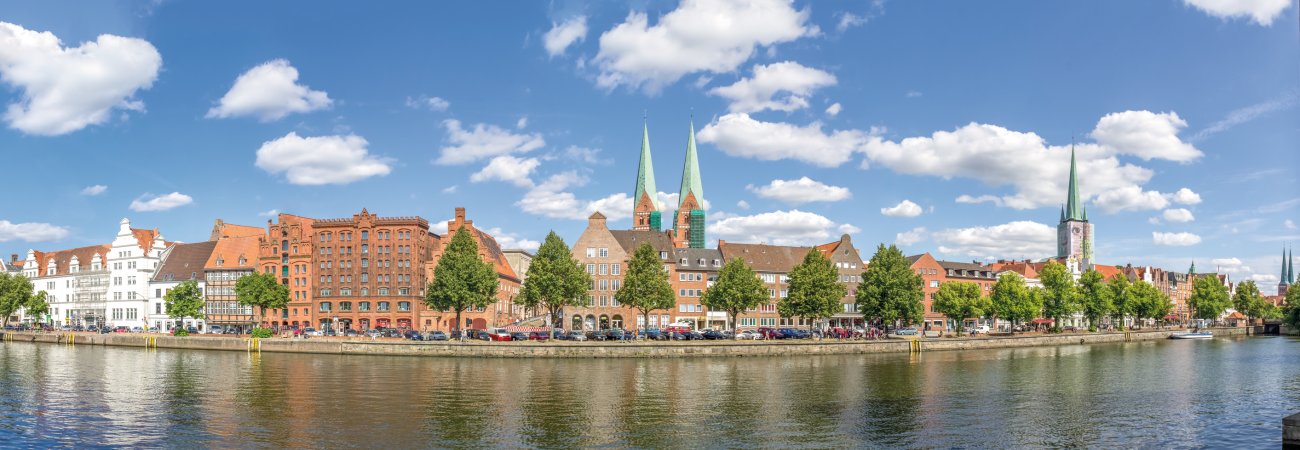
(458, 330)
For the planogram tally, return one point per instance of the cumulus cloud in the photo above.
(269, 213)
(269, 91)
(910, 237)
(563, 34)
(94, 190)
(1131, 198)
(1175, 239)
(760, 92)
(1178, 215)
(834, 109)
(739, 135)
(793, 227)
(1230, 265)
(64, 89)
(320, 159)
(802, 190)
(1146, 135)
(511, 240)
(484, 141)
(1017, 240)
(551, 198)
(1289, 224)
(964, 198)
(698, 36)
(426, 102)
(745, 205)
(150, 202)
(1262, 12)
(31, 232)
(906, 208)
(509, 169)
(1185, 196)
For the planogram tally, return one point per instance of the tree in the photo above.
(1009, 298)
(738, 288)
(815, 289)
(1248, 301)
(1061, 297)
(1209, 298)
(1094, 298)
(555, 280)
(1121, 300)
(462, 279)
(890, 290)
(1291, 314)
(263, 291)
(645, 284)
(959, 300)
(184, 300)
(1148, 302)
(18, 293)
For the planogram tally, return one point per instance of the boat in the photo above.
(1192, 335)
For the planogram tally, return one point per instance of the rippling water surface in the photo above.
(1219, 393)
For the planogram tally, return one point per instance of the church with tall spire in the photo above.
(687, 227)
(645, 210)
(1288, 272)
(1074, 234)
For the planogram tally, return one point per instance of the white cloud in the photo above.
(65, 89)
(1131, 198)
(1290, 225)
(668, 203)
(484, 141)
(981, 199)
(906, 208)
(1174, 239)
(584, 155)
(910, 237)
(320, 159)
(563, 34)
(1230, 265)
(698, 36)
(739, 135)
(1154, 220)
(913, 94)
(521, 123)
(1014, 240)
(802, 190)
(793, 227)
(149, 202)
(1264, 279)
(1178, 215)
(94, 190)
(849, 229)
(757, 93)
(1249, 113)
(431, 103)
(509, 169)
(834, 109)
(1261, 11)
(269, 91)
(850, 20)
(551, 198)
(269, 213)
(742, 204)
(511, 240)
(1146, 135)
(31, 232)
(1185, 196)
(450, 189)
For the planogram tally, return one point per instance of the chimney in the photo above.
(13, 257)
(460, 215)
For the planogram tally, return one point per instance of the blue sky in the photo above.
(941, 127)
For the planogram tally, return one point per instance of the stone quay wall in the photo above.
(591, 349)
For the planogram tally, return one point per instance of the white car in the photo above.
(982, 329)
(748, 335)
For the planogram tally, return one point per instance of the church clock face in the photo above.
(1076, 231)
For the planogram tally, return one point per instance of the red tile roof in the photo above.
(63, 258)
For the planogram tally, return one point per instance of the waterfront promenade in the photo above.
(633, 349)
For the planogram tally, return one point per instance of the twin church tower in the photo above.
(688, 219)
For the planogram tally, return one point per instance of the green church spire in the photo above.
(1073, 208)
(691, 172)
(1290, 267)
(645, 172)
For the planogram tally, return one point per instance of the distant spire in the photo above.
(1192, 270)
(645, 172)
(1062, 213)
(1285, 277)
(1073, 207)
(691, 172)
(1290, 264)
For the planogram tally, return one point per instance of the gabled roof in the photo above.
(147, 239)
(229, 250)
(1023, 268)
(763, 257)
(63, 258)
(185, 261)
(1107, 272)
(631, 239)
(693, 257)
(221, 229)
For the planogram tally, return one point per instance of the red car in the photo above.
(538, 336)
(769, 333)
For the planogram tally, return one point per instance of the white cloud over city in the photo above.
(31, 232)
(319, 160)
(793, 227)
(1262, 12)
(801, 190)
(269, 92)
(151, 203)
(483, 141)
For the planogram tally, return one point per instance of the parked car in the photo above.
(909, 331)
(309, 331)
(654, 334)
(412, 335)
(349, 332)
(373, 333)
(768, 333)
(435, 336)
(748, 335)
(539, 336)
(518, 336)
(982, 329)
(616, 334)
(500, 334)
(137, 330)
(153, 329)
(576, 336)
(713, 335)
(216, 329)
(595, 335)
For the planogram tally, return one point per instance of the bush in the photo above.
(262, 333)
(180, 332)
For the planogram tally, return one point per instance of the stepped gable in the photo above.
(63, 258)
(185, 261)
(488, 246)
(221, 229)
(148, 238)
(764, 257)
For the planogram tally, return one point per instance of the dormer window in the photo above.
(242, 261)
(663, 255)
(682, 261)
(220, 261)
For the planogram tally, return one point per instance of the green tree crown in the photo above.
(737, 289)
(555, 279)
(184, 300)
(1209, 298)
(645, 284)
(959, 301)
(890, 290)
(815, 289)
(462, 280)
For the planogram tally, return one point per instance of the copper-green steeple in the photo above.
(645, 172)
(691, 172)
(1074, 208)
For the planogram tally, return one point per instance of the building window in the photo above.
(591, 252)
(604, 252)
(614, 269)
(383, 306)
(403, 291)
(365, 235)
(324, 306)
(344, 306)
(363, 306)
(604, 269)
(403, 306)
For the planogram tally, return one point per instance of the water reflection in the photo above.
(1223, 392)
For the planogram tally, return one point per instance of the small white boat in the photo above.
(1193, 335)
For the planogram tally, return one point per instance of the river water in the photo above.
(1227, 392)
